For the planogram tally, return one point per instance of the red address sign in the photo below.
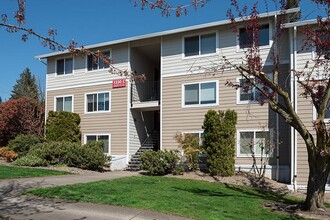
(118, 83)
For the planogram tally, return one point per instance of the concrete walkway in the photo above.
(13, 205)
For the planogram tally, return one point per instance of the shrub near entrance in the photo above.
(159, 162)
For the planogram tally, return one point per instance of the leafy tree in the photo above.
(0, 100)
(219, 141)
(63, 126)
(20, 116)
(25, 86)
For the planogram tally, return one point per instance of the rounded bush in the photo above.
(30, 161)
(63, 126)
(22, 143)
(8, 154)
(159, 162)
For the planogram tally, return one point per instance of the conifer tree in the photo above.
(25, 86)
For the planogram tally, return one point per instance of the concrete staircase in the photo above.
(151, 143)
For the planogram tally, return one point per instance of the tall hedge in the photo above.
(63, 126)
(219, 141)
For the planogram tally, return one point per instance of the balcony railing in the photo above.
(145, 91)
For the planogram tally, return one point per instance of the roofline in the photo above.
(169, 32)
(301, 23)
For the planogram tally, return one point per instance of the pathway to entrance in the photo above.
(14, 205)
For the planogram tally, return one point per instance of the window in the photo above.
(104, 138)
(200, 93)
(95, 63)
(326, 113)
(257, 141)
(64, 103)
(246, 36)
(198, 134)
(246, 93)
(64, 66)
(200, 45)
(98, 102)
(322, 48)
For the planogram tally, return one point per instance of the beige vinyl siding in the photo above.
(174, 62)
(177, 119)
(304, 54)
(82, 77)
(250, 116)
(114, 122)
(305, 111)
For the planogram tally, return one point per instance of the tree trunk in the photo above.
(318, 174)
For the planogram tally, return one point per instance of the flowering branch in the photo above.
(166, 8)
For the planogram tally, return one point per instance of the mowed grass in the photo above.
(190, 198)
(10, 172)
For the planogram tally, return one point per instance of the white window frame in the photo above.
(98, 69)
(270, 25)
(64, 74)
(199, 51)
(63, 96)
(326, 120)
(314, 54)
(199, 132)
(238, 92)
(199, 98)
(97, 93)
(99, 134)
(238, 150)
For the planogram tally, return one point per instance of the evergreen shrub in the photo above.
(219, 141)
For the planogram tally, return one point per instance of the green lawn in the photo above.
(9, 172)
(196, 199)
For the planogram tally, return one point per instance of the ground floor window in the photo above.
(104, 138)
(257, 141)
(197, 134)
(64, 103)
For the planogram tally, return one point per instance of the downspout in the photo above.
(293, 93)
(277, 126)
(295, 106)
(161, 95)
(129, 103)
(45, 95)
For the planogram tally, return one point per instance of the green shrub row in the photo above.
(89, 156)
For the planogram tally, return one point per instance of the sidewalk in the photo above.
(13, 205)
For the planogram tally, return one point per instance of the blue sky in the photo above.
(91, 22)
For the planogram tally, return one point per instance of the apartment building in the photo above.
(178, 92)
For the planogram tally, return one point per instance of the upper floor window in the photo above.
(200, 93)
(247, 93)
(64, 103)
(200, 44)
(322, 47)
(98, 102)
(326, 113)
(96, 63)
(246, 36)
(64, 66)
(104, 138)
(254, 141)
